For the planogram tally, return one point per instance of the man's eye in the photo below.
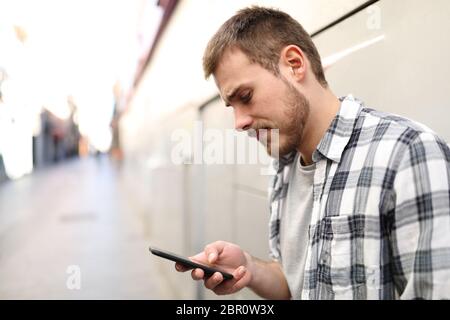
(246, 97)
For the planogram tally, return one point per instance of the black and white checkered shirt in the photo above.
(380, 225)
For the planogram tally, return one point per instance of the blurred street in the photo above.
(77, 213)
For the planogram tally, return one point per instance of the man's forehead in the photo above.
(231, 71)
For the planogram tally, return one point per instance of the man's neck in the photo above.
(324, 106)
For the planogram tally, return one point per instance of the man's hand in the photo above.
(228, 257)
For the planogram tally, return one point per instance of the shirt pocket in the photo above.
(342, 272)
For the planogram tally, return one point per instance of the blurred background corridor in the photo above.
(67, 70)
(95, 97)
(83, 213)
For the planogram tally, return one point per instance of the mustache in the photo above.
(263, 125)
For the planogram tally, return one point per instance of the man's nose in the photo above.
(242, 121)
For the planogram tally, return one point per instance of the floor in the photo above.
(75, 231)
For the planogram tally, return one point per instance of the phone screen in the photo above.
(209, 271)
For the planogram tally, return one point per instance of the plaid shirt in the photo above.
(380, 225)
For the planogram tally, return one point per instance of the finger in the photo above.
(200, 257)
(241, 279)
(213, 250)
(197, 274)
(213, 281)
(239, 273)
(181, 268)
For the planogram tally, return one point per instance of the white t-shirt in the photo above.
(295, 219)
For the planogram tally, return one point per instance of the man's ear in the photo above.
(293, 60)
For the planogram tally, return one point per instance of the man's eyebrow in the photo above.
(230, 96)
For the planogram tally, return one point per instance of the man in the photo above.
(360, 202)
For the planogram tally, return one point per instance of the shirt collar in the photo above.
(340, 130)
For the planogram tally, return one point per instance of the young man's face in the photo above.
(262, 100)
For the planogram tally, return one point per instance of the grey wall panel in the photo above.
(166, 190)
(252, 225)
(219, 176)
(407, 71)
(253, 177)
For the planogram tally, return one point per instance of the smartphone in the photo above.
(209, 271)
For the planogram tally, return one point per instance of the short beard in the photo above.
(296, 113)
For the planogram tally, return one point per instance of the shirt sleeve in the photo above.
(420, 234)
